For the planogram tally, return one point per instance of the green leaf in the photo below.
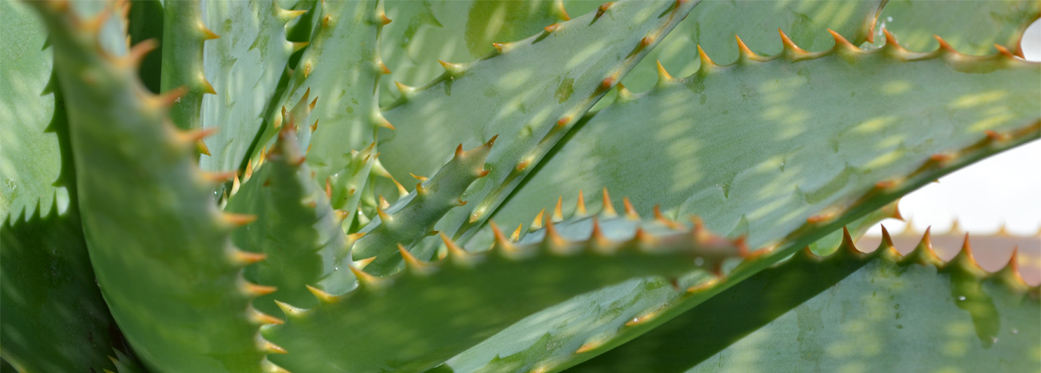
(970, 26)
(244, 67)
(529, 95)
(534, 343)
(470, 296)
(413, 216)
(341, 69)
(30, 160)
(182, 68)
(891, 307)
(770, 156)
(714, 24)
(453, 31)
(758, 147)
(296, 229)
(54, 319)
(159, 246)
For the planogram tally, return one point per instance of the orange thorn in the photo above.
(706, 62)
(995, 136)
(382, 68)
(410, 259)
(238, 220)
(1004, 51)
(819, 218)
(265, 319)
(321, 295)
(890, 39)
(207, 34)
(839, 39)
(608, 208)
(383, 19)
(245, 258)
(453, 249)
(663, 75)
(138, 52)
(580, 209)
(383, 215)
(363, 277)
(516, 233)
(218, 177)
(941, 157)
(591, 345)
(563, 121)
(459, 151)
(552, 27)
(420, 178)
(603, 8)
(789, 44)
(272, 348)
(500, 239)
(886, 184)
(630, 212)
(745, 52)
(169, 98)
(607, 83)
(537, 223)
(944, 45)
(256, 290)
(552, 236)
(558, 214)
(702, 286)
(451, 68)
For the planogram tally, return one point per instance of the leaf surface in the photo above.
(159, 246)
(417, 318)
(890, 306)
(795, 186)
(244, 67)
(970, 26)
(529, 95)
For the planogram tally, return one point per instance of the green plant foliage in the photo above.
(890, 301)
(221, 204)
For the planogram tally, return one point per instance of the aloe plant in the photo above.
(235, 187)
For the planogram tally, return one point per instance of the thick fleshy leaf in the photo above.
(758, 148)
(745, 160)
(890, 307)
(529, 95)
(417, 318)
(296, 229)
(413, 217)
(244, 67)
(30, 160)
(158, 244)
(184, 33)
(454, 31)
(340, 68)
(532, 343)
(714, 24)
(970, 26)
(54, 319)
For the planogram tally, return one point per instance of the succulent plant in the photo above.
(221, 186)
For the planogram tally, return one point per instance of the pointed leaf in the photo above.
(149, 218)
(468, 297)
(511, 95)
